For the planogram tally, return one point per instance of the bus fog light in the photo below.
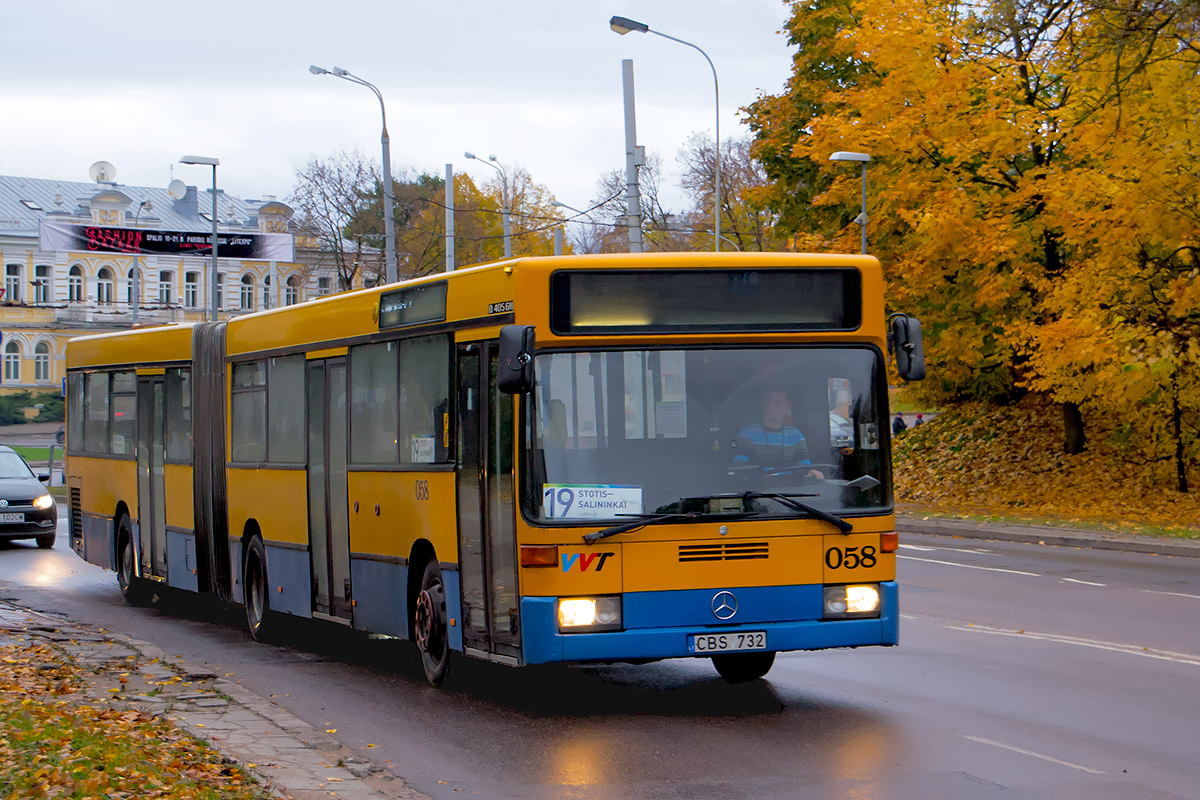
(589, 613)
(851, 601)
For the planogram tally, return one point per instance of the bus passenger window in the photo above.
(178, 385)
(424, 400)
(373, 378)
(95, 426)
(124, 413)
(249, 412)
(285, 410)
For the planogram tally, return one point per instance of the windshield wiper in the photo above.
(642, 520)
(790, 501)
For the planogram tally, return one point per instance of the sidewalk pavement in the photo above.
(293, 759)
(914, 522)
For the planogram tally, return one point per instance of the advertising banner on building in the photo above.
(59, 237)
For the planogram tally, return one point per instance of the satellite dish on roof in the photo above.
(102, 172)
(177, 189)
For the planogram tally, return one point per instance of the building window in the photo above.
(12, 283)
(291, 294)
(104, 286)
(141, 292)
(75, 284)
(41, 363)
(12, 362)
(166, 282)
(247, 293)
(220, 290)
(41, 283)
(324, 286)
(191, 288)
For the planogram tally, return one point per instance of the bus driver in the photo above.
(773, 443)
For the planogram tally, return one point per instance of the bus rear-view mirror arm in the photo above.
(515, 375)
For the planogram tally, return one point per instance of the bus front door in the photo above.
(151, 484)
(486, 512)
(328, 515)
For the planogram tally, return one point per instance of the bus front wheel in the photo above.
(135, 590)
(743, 667)
(254, 582)
(429, 625)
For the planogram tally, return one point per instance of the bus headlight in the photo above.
(43, 502)
(585, 614)
(842, 602)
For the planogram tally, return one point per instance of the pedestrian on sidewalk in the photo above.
(920, 420)
(898, 425)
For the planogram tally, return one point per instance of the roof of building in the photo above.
(24, 202)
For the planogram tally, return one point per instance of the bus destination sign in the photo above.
(414, 306)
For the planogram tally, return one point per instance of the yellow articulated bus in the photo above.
(579, 459)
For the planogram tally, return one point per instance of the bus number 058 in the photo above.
(850, 557)
(422, 490)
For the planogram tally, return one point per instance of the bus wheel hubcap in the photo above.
(424, 620)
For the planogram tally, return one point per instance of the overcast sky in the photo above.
(536, 82)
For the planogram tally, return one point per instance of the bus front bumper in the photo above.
(543, 643)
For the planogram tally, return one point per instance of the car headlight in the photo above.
(842, 602)
(586, 614)
(43, 502)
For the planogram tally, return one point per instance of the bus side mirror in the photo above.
(516, 359)
(905, 344)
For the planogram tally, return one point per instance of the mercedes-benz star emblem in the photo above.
(724, 605)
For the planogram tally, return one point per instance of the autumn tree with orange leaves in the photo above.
(1033, 194)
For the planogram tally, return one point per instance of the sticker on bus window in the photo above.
(589, 501)
(422, 449)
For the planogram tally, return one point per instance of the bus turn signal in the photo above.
(539, 555)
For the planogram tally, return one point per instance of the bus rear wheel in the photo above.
(743, 667)
(135, 590)
(429, 625)
(254, 582)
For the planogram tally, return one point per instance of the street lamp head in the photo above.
(205, 160)
(623, 25)
(315, 70)
(491, 158)
(843, 155)
(341, 73)
(469, 154)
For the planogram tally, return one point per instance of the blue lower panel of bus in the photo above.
(380, 596)
(99, 546)
(181, 561)
(289, 568)
(658, 624)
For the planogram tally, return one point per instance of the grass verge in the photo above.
(55, 742)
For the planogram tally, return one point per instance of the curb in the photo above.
(1033, 534)
(290, 758)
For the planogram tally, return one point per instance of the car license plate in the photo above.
(727, 642)
(11, 517)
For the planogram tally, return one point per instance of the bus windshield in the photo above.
(627, 432)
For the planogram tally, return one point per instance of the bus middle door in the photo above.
(486, 508)
(328, 514)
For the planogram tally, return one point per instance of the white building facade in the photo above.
(68, 251)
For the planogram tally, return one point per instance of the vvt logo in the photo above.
(584, 561)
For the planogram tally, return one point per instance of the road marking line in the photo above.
(926, 548)
(1116, 647)
(1085, 583)
(1058, 761)
(1174, 594)
(908, 616)
(970, 566)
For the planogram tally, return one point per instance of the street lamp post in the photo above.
(137, 286)
(389, 224)
(496, 165)
(623, 25)
(843, 155)
(210, 162)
